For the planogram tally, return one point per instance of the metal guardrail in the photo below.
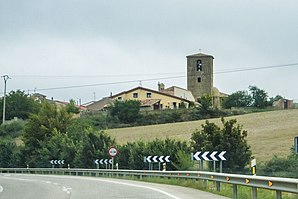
(272, 183)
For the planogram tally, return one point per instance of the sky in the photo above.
(87, 49)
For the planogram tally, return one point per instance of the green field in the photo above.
(269, 133)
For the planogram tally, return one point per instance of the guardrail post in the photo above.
(254, 192)
(218, 186)
(278, 194)
(235, 191)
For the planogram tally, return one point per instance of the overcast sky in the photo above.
(86, 49)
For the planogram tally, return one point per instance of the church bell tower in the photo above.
(200, 74)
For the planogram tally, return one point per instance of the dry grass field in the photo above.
(269, 133)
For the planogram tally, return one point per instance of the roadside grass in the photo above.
(244, 192)
(269, 133)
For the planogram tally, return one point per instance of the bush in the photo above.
(12, 129)
(281, 167)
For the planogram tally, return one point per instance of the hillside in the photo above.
(269, 133)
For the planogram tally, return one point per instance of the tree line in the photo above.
(52, 133)
(49, 132)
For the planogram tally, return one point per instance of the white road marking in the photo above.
(67, 190)
(139, 186)
(146, 187)
(122, 183)
(1, 188)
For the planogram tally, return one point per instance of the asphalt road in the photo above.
(19, 186)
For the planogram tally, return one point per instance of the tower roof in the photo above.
(200, 55)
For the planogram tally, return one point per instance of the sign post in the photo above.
(254, 167)
(296, 144)
(113, 152)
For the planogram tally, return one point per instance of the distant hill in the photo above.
(269, 133)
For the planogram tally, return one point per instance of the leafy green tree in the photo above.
(10, 155)
(59, 146)
(71, 107)
(282, 166)
(18, 104)
(183, 161)
(238, 99)
(42, 126)
(126, 111)
(93, 145)
(132, 154)
(13, 129)
(230, 138)
(205, 104)
(259, 96)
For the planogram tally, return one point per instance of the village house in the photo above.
(152, 100)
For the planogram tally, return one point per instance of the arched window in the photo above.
(199, 65)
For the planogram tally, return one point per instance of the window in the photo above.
(199, 65)
(135, 95)
(119, 98)
(199, 79)
(149, 95)
(174, 105)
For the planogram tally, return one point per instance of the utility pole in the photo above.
(5, 78)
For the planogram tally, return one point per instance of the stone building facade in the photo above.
(200, 75)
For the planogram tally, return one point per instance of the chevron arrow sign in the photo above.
(57, 162)
(103, 161)
(157, 159)
(209, 155)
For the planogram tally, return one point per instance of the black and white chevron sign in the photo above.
(209, 155)
(57, 162)
(157, 158)
(103, 161)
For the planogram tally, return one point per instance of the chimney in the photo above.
(161, 87)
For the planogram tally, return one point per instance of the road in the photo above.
(16, 186)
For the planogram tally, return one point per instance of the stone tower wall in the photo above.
(204, 85)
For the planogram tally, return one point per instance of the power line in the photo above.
(103, 84)
(256, 68)
(152, 74)
(144, 80)
(93, 76)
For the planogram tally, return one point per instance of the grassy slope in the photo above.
(269, 133)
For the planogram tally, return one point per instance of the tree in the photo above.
(132, 154)
(238, 99)
(259, 96)
(276, 166)
(126, 111)
(42, 126)
(18, 104)
(10, 156)
(72, 108)
(93, 144)
(13, 129)
(230, 138)
(205, 104)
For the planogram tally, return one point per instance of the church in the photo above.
(199, 84)
(200, 78)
